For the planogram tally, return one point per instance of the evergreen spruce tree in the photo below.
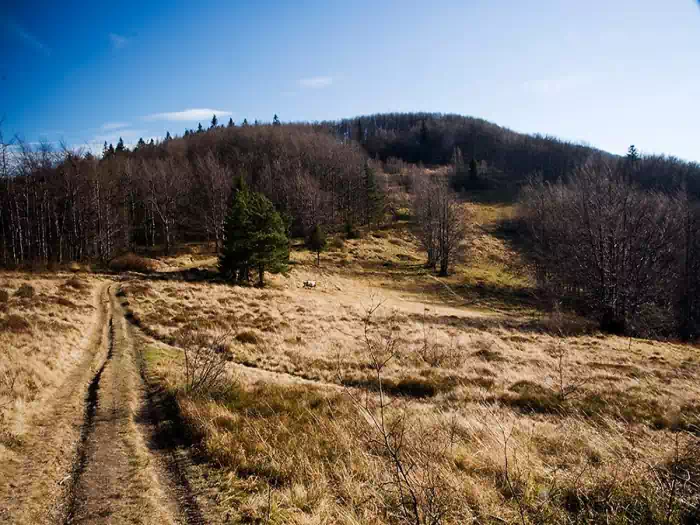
(140, 144)
(631, 163)
(245, 123)
(234, 257)
(214, 122)
(110, 151)
(105, 151)
(230, 122)
(268, 237)
(120, 146)
(254, 237)
(152, 143)
(187, 133)
(276, 121)
(200, 129)
(168, 138)
(317, 242)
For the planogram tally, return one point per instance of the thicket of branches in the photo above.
(60, 206)
(627, 255)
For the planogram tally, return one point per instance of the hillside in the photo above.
(498, 409)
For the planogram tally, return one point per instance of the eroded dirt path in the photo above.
(99, 453)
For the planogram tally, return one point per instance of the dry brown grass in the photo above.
(134, 263)
(511, 414)
(40, 341)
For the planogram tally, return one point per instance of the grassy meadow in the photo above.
(386, 395)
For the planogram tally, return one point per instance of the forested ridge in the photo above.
(505, 157)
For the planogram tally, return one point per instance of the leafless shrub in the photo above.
(568, 385)
(418, 491)
(436, 354)
(133, 263)
(442, 221)
(205, 361)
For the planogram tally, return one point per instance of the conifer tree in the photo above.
(254, 237)
(140, 144)
(230, 122)
(276, 121)
(168, 138)
(200, 129)
(120, 146)
(214, 122)
(245, 123)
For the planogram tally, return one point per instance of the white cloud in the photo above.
(556, 85)
(118, 41)
(316, 82)
(189, 115)
(114, 125)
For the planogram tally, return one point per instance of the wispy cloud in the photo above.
(118, 41)
(189, 115)
(556, 85)
(25, 36)
(316, 82)
(107, 126)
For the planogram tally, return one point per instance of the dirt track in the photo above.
(99, 453)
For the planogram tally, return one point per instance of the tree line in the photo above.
(620, 252)
(61, 206)
(505, 158)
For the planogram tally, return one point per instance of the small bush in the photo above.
(247, 337)
(337, 243)
(75, 283)
(14, 323)
(133, 263)
(26, 291)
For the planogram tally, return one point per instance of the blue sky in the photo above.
(606, 72)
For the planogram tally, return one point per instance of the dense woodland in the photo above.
(66, 206)
(505, 157)
(617, 237)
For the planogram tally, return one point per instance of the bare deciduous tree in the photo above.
(442, 220)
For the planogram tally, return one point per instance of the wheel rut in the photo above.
(86, 431)
(115, 476)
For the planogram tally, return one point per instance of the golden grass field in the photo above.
(456, 400)
(44, 320)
